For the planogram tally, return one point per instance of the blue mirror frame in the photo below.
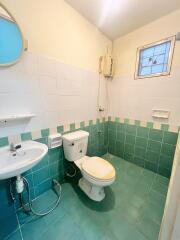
(12, 44)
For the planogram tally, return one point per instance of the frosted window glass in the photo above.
(154, 59)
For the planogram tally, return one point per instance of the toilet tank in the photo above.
(75, 145)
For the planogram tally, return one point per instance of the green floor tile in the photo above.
(132, 209)
(148, 228)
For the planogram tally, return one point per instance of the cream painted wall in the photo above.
(136, 98)
(56, 30)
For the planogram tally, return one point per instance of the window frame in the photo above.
(170, 57)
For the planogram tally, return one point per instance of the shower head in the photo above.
(178, 36)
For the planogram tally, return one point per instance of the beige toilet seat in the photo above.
(98, 168)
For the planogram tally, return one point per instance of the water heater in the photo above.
(106, 66)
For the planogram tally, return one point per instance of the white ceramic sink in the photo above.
(14, 163)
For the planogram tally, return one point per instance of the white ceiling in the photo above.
(119, 17)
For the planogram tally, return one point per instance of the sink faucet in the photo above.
(14, 147)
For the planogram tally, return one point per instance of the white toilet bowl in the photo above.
(97, 173)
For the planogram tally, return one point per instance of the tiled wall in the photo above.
(8, 218)
(52, 166)
(145, 146)
(56, 93)
(135, 99)
(149, 145)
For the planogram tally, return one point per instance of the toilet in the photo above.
(97, 173)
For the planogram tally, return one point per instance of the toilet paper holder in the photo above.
(54, 140)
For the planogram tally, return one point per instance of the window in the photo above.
(155, 59)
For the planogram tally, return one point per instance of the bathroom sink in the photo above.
(14, 163)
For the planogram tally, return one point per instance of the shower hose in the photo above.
(30, 207)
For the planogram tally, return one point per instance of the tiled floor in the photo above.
(132, 209)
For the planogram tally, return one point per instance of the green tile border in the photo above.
(148, 124)
(45, 132)
(73, 126)
(26, 136)
(165, 127)
(4, 141)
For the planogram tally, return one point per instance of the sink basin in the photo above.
(14, 163)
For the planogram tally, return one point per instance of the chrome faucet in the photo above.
(14, 147)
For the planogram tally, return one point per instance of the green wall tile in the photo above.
(82, 124)
(41, 175)
(139, 161)
(166, 161)
(60, 129)
(154, 146)
(142, 132)
(129, 148)
(97, 121)
(4, 142)
(164, 171)
(130, 139)
(112, 126)
(45, 132)
(111, 148)
(126, 120)
(137, 122)
(151, 166)
(26, 136)
(90, 122)
(111, 136)
(140, 152)
(121, 137)
(170, 138)
(121, 127)
(128, 157)
(117, 119)
(72, 126)
(150, 124)
(152, 156)
(168, 149)
(141, 142)
(156, 135)
(131, 129)
(119, 149)
(164, 127)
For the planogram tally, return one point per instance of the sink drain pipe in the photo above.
(22, 184)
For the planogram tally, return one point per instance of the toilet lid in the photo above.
(99, 168)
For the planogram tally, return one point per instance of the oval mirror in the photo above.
(11, 39)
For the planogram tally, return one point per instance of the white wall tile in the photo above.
(46, 67)
(56, 93)
(135, 99)
(48, 85)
